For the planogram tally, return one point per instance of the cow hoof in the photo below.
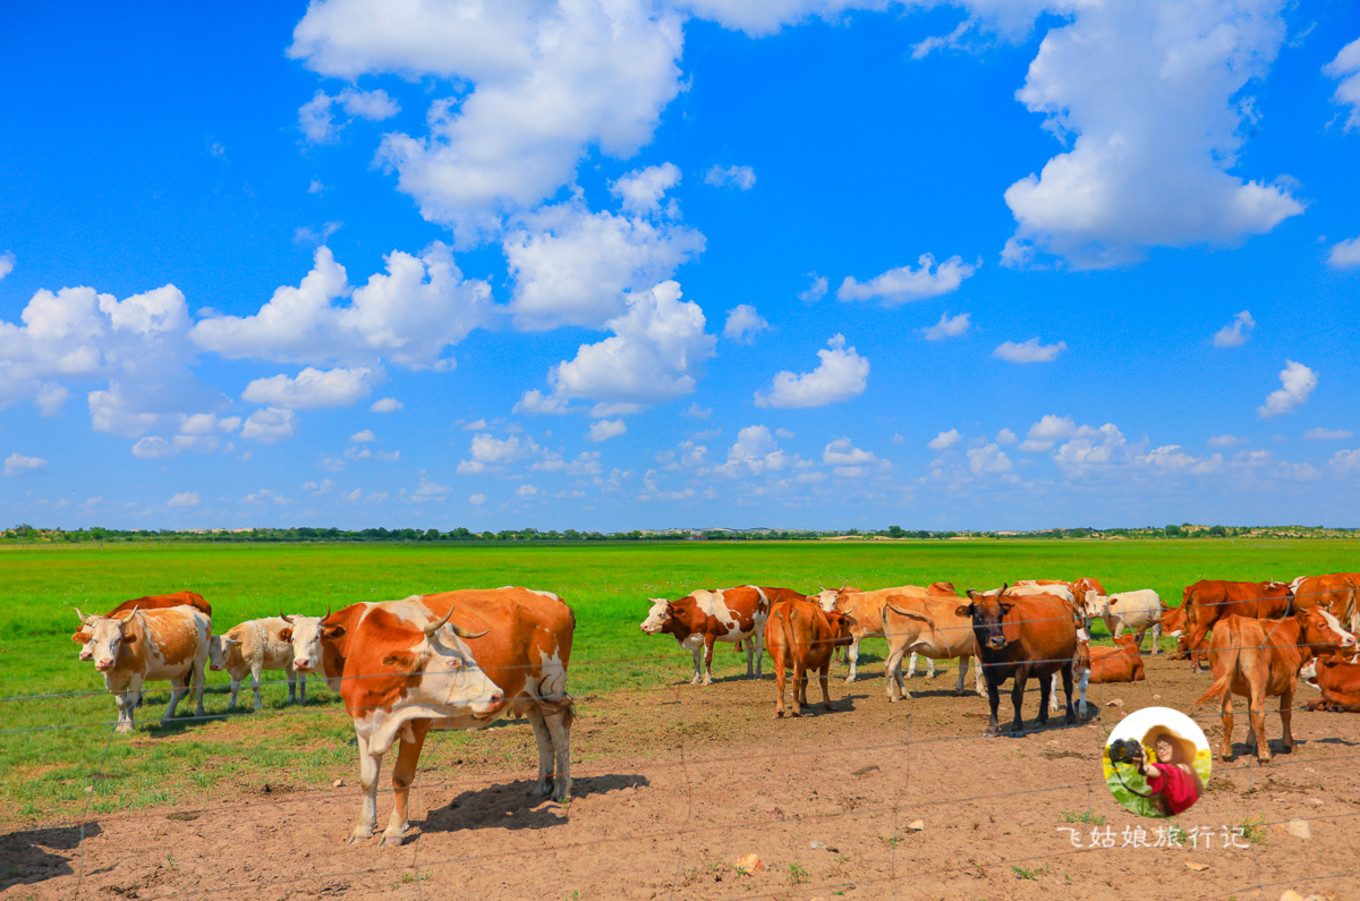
(1071, 718)
(779, 714)
(393, 840)
(123, 729)
(360, 834)
(541, 789)
(695, 681)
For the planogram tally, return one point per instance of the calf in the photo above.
(1018, 637)
(137, 646)
(1339, 681)
(151, 602)
(1210, 600)
(1138, 611)
(801, 636)
(932, 627)
(1259, 659)
(252, 647)
(728, 614)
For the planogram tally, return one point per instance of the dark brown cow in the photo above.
(1210, 600)
(151, 602)
(1259, 659)
(1019, 637)
(728, 614)
(800, 637)
(1339, 681)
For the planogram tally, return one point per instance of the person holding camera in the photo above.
(1170, 774)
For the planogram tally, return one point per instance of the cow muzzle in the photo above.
(996, 642)
(491, 707)
(215, 667)
(103, 664)
(302, 665)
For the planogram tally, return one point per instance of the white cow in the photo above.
(252, 647)
(170, 644)
(1133, 611)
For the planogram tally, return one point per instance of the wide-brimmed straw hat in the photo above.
(1186, 748)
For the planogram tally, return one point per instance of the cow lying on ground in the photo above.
(1098, 665)
(1210, 600)
(728, 614)
(151, 602)
(932, 627)
(1260, 659)
(1019, 637)
(864, 609)
(139, 646)
(1135, 611)
(253, 647)
(1339, 681)
(800, 637)
(518, 637)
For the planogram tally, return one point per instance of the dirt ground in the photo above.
(675, 787)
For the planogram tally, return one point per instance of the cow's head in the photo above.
(1308, 673)
(1081, 660)
(826, 599)
(438, 666)
(221, 650)
(108, 635)
(82, 637)
(1128, 643)
(987, 613)
(1322, 632)
(840, 629)
(306, 634)
(658, 616)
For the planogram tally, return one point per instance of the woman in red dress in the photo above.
(1170, 770)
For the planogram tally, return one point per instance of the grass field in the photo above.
(55, 716)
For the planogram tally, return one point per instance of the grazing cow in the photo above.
(801, 636)
(137, 646)
(252, 647)
(521, 638)
(1085, 584)
(1260, 659)
(1138, 611)
(865, 612)
(1337, 592)
(151, 602)
(1210, 600)
(930, 626)
(1338, 679)
(1173, 626)
(728, 614)
(1022, 636)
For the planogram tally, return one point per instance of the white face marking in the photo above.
(1308, 673)
(826, 599)
(1344, 638)
(306, 643)
(656, 616)
(106, 637)
(216, 657)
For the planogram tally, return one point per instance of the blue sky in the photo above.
(612, 264)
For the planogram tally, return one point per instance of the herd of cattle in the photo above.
(462, 659)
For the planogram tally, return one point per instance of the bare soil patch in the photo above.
(674, 786)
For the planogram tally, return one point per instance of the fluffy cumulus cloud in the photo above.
(203, 433)
(604, 429)
(1149, 95)
(312, 388)
(184, 499)
(643, 190)
(657, 352)
(849, 461)
(742, 178)
(947, 327)
(1346, 70)
(905, 284)
(744, 323)
(1235, 333)
(269, 425)
(755, 452)
(18, 464)
(528, 88)
(815, 291)
(1322, 434)
(841, 375)
(488, 451)
(408, 315)
(1030, 351)
(1345, 254)
(989, 459)
(768, 16)
(316, 118)
(386, 405)
(944, 440)
(1297, 381)
(6, 264)
(574, 267)
(1047, 432)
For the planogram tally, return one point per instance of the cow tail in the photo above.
(1224, 682)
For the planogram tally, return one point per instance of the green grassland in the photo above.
(55, 716)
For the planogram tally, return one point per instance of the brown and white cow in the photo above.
(139, 646)
(1137, 611)
(1337, 592)
(1210, 600)
(1022, 636)
(253, 647)
(151, 602)
(704, 617)
(932, 627)
(1338, 678)
(800, 637)
(865, 612)
(1261, 658)
(520, 638)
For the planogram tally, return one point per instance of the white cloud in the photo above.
(755, 452)
(1047, 432)
(535, 401)
(539, 86)
(641, 191)
(1321, 434)
(387, 405)
(841, 375)
(51, 398)
(574, 267)
(741, 177)
(1150, 93)
(1092, 449)
(1345, 254)
(989, 458)
(944, 440)
(6, 264)
(488, 450)
(317, 122)
(605, 410)
(269, 425)
(947, 327)
(904, 284)
(768, 16)
(1297, 381)
(407, 315)
(477, 499)
(1006, 436)
(311, 237)
(1226, 441)
(199, 432)
(605, 429)
(184, 499)
(312, 388)
(1345, 68)
(153, 447)
(428, 490)
(697, 412)
(657, 352)
(363, 437)
(1030, 351)
(17, 463)
(744, 323)
(850, 461)
(315, 186)
(815, 291)
(1236, 333)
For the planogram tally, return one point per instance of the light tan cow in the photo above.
(137, 646)
(253, 647)
(932, 627)
(865, 612)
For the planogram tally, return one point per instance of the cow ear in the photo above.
(332, 632)
(80, 637)
(1006, 608)
(965, 609)
(129, 639)
(402, 662)
(971, 592)
(285, 635)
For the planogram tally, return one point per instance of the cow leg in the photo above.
(543, 787)
(1118, 629)
(1082, 684)
(1156, 639)
(1226, 713)
(1048, 696)
(800, 680)
(403, 774)
(892, 672)
(852, 654)
(369, 767)
(779, 679)
(1052, 692)
(302, 687)
(994, 701)
(179, 687)
(979, 682)
(1286, 714)
(823, 676)
(255, 670)
(963, 673)
(559, 728)
(235, 689)
(1018, 700)
(750, 653)
(708, 660)
(1067, 691)
(1257, 711)
(698, 665)
(125, 697)
(199, 680)
(292, 682)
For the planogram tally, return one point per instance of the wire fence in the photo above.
(702, 821)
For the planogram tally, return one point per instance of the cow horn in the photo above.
(464, 633)
(285, 618)
(435, 627)
(126, 616)
(79, 614)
